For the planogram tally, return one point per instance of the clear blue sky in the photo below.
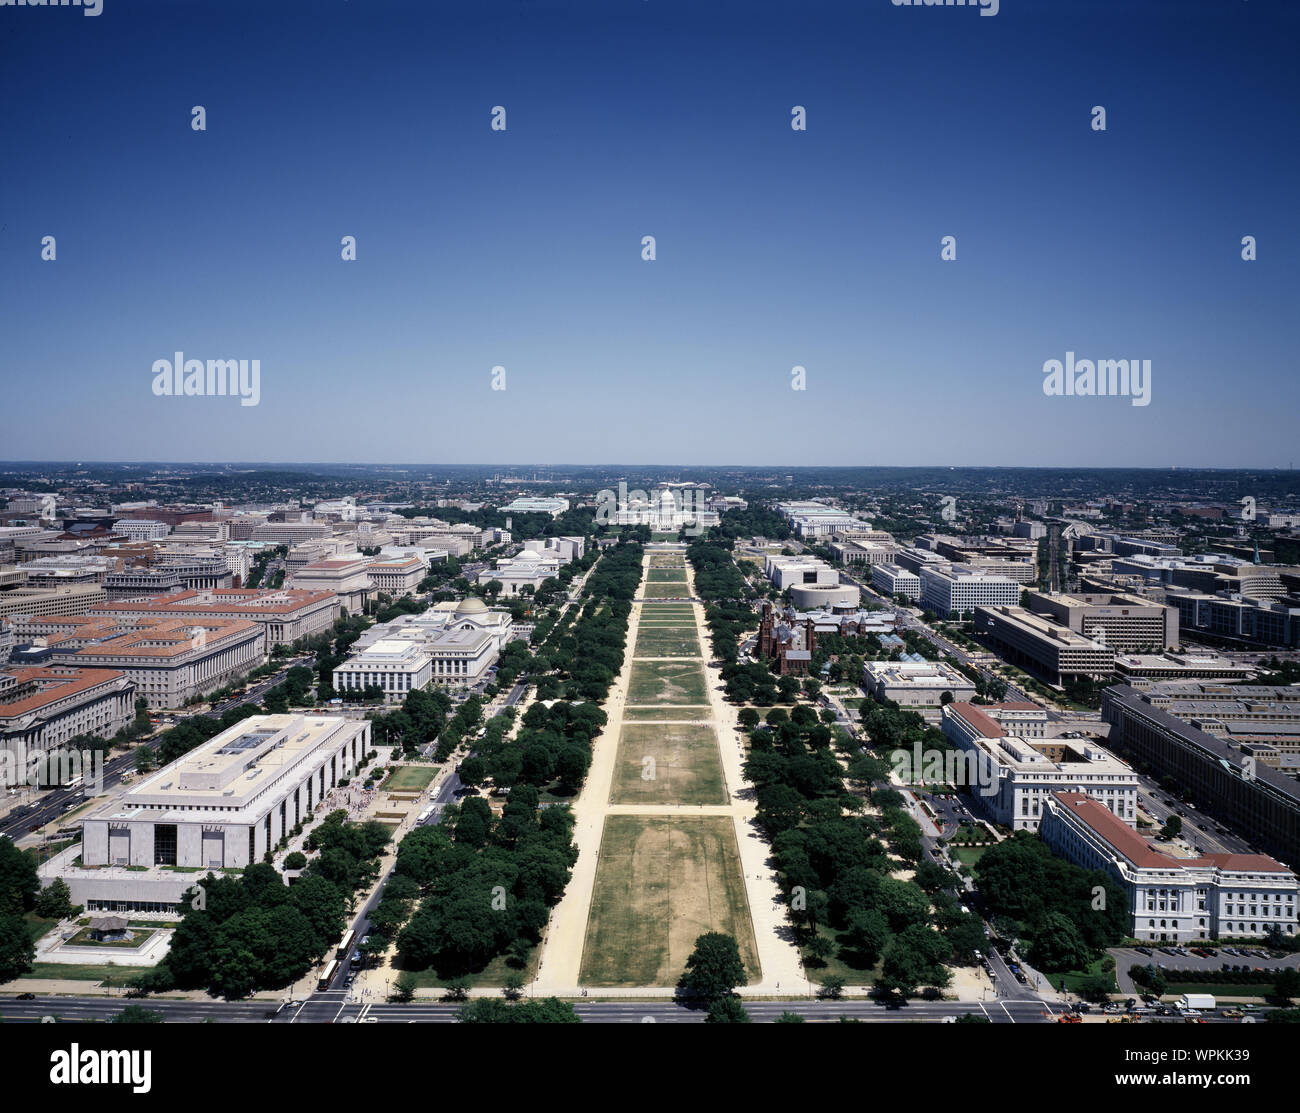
(651, 117)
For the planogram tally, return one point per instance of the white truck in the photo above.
(1196, 1003)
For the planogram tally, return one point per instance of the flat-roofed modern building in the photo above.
(1173, 899)
(71, 599)
(221, 806)
(1180, 666)
(961, 589)
(1258, 802)
(1126, 623)
(1024, 774)
(893, 579)
(525, 504)
(1055, 652)
(397, 575)
(41, 708)
(285, 614)
(916, 685)
(346, 576)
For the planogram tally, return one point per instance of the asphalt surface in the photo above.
(329, 1007)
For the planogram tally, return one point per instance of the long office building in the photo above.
(1173, 900)
(1042, 646)
(170, 659)
(285, 614)
(1015, 776)
(893, 580)
(42, 708)
(1123, 622)
(1260, 803)
(221, 806)
(960, 589)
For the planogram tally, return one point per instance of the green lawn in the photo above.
(494, 973)
(842, 963)
(661, 884)
(967, 855)
(667, 682)
(666, 641)
(37, 926)
(411, 778)
(666, 575)
(87, 973)
(665, 591)
(667, 763)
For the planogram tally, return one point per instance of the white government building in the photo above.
(1027, 773)
(1173, 899)
(451, 644)
(223, 805)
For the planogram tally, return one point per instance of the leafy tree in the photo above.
(492, 1010)
(714, 968)
(788, 1017)
(16, 949)
(54, 902)
(1058, 945)
(832, 988)
(1286, 984)
(18, 881)
(404, 987)
(295, 860)
(137, 1014)
(727, 1010)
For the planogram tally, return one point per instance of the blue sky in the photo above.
(628, 118)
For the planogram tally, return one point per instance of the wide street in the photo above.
(331, 1007)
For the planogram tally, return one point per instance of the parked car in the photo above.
(1143, 950)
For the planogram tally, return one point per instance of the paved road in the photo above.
(331, 1007)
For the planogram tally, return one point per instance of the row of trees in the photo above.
(835, 863)
(1069, 915)
(485, 885)
(248, 932)
(728, 610)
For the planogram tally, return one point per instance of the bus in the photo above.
(327, 975)
(423, 816)
(76, 781)
(345, 944)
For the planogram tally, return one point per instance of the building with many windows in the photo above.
(960, 589)
(1171, 899)
(893, 579)
(1053, 651)
(221, 806)
(45, 707)
(285, 614)
(1016, 776)
(169, 659)
(1260, 803)
(1126, 623)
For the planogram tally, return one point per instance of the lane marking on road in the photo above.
(1007, 1011)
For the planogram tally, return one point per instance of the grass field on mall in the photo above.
(665, 591)
(666, 576)
(664, 714)
(667, 763)
(667, 682)
(667, 641)
(411, 778)
(661, 884)
(667, 560)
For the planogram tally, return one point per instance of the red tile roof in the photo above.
(988, 727)
(1141, 853)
